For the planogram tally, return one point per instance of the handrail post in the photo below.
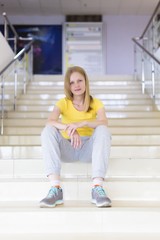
(15, 87)
(153, 80)
(142, 73)
(2, 104)
(13, 61)
(135, 62)
(5, 29)
(31, 62)
(6, 23)
(24, 73)
(15, 45)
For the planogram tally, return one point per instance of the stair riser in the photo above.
(100, 96)
(112, 122)
(79, 236)
(140, 140)
(135, 169)
(92, 77)
(123, 130)
(25, 152)
(98, 83)
(47, 108)
(56, 78)
(132, 193)
(105, 102)
(45, 115)
(93, 92)
(115, 108)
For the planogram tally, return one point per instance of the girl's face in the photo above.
(77, 84)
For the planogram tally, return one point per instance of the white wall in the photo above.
(118, 32)
(119, 46)
(6, 52)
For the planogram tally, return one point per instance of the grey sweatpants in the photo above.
(95, 149)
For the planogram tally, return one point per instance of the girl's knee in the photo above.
(102, 129)
(48, 129)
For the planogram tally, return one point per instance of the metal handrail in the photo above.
(16, 36)
(153, 58)
(13, 61)
(145, 50)
(150, 21)
(11, 26)
(23, 51)
(149, 52)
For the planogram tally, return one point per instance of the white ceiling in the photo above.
(64, 7)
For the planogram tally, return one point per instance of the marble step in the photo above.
(7, 97)
(54, 97)
(101, 90)
(23, 152)
(93, 89)
(50, 101)
(110, 114)
(148, 107)
(92, 78)
(105, 102)
(121, 140)
(101, 96)
(56, 78)
(97, 83)
(122, 193)
(85, 236)
(123, 130)
(60, 90)
(60, 85)
(119, 170)
(113, 108)
(112, 122)
(74, 220)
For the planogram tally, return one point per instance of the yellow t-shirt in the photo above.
(69, 114)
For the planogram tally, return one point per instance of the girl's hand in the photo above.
(76, 140)
(71, 128)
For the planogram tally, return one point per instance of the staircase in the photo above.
(132, 181)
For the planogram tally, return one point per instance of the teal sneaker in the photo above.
(54, 197)
(100, 198)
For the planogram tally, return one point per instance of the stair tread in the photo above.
(74, 217)
(123, 140)
(78, 206)
(85, 236)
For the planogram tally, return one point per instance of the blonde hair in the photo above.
(68, 93)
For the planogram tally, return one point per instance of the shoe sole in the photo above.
(105, 204)
(44, 205)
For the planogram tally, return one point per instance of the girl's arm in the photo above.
(101, 120)
(53, 119)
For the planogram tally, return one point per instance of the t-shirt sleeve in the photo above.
(98, 104)
(61, 104)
